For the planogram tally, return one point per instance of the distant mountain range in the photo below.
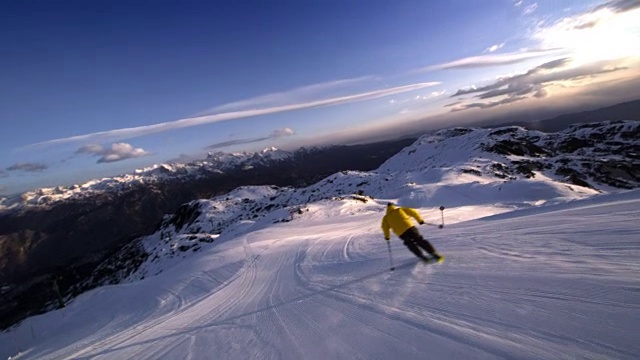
(131, 226)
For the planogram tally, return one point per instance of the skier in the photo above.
(398, 219)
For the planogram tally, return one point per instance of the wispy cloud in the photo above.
(453, 104)
(276, 134)
(487, 105)
(128, 133)
(297, 95)
(530, 9)
(492, 59)
(28, 167)
(117, 152)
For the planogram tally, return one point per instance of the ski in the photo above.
(433, 260)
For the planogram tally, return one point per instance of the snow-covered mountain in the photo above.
(213, 163)
(540, 239)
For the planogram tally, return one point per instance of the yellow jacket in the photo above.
(398, 219)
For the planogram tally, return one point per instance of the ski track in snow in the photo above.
(547, 283)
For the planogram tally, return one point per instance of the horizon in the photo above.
(97, 90)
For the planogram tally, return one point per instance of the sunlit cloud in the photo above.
(128, 133)
(117, 152)
(493, 59)
(593, 43)
(535, 82)
(609, 31)
(531, 80)
(28, 167)
(276, 134)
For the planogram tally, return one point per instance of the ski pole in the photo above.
(442, 212)
(390, 257)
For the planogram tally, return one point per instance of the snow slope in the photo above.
(559, 281)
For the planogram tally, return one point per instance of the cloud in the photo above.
(276, 134)
(488, 105)
(28, 167)
(228, 143)
(492, 60)
(453, 104)
(91, 149)
(128, 133)
(300, 94)
(541, 93)
(533, 79)
(534, 82)
(557, 63)
(117, 152)
(281, 133)
(619, 6)
(530, 9)
(495, 47)
(431, 95)
(608, 31)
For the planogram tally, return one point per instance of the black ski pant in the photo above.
(414, 241)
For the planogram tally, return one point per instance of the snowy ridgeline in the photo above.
(462, 169)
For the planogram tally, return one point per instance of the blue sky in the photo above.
(99, 88)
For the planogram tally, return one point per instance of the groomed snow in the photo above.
(554, 282)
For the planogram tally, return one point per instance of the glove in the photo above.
(421, 223)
